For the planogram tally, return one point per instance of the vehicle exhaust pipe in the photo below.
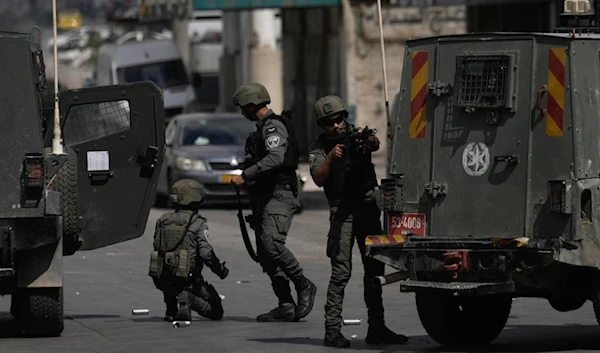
(381, 281)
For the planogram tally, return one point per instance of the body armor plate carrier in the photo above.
(173, 257)
(255, 147)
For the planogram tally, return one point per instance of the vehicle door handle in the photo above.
(100, 177)
(148, 161)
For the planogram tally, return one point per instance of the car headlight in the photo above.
(190, 164)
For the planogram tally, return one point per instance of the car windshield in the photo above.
(220, 131)
(165, 75)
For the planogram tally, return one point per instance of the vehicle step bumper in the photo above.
(458, 288)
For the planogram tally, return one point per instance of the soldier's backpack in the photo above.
(169, 260)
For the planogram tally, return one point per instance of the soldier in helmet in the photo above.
(272, 173)
(181, 249)
(350, 189)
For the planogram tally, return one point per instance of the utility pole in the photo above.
(348, 73)
(180, 35)
(229, 76)
(265, 59)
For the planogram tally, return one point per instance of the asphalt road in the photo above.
(103, 286)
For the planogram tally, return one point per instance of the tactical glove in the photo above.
(224, 271)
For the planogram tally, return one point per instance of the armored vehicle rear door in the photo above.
(480, 137)
(117, 133)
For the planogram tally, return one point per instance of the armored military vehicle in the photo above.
(493, 186)
(97, 192)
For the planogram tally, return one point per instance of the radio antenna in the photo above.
(383, 67)
(57, 147)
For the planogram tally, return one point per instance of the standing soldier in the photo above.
(181, 248)
(272, 173)
(349, 181)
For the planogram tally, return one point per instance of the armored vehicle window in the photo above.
(87, 122)
(481, 81)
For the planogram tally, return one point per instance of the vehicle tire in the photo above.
(461, 321)
(42, 311)
(567, 303)
(65, 182)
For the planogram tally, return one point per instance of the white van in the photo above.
(153, 60)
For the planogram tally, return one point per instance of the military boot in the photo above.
(185, 307)
(334, 338)
(285, 312)
(306, 298)
(383, 335)
(171, 311)
(209, 306)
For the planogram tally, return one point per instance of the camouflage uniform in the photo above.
(274, 188)
(184, 233)
(354, 214)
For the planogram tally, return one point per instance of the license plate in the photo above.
(407, 223)
(226, 179)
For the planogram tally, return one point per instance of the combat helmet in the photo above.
(251, 93)
(186, 191)
(328, 106)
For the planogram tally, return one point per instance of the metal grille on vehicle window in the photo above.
(481, 81)
(87, 122)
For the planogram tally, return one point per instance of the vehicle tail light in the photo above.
(32, 187)
(559, 196)
(392, 194)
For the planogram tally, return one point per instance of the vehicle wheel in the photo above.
(567, 303)
(452, 321)
(42, 311)
(65, 182)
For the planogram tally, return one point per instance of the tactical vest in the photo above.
(173, 255)
(348, 180)
(255, 146)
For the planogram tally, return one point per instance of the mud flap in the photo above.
(41, 267)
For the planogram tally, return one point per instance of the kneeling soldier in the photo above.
(181, 248)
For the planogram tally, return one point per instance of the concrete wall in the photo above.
(399, 24)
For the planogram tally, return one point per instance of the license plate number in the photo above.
(226, 179)
(407, 223)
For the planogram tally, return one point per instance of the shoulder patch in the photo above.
(273, 141)
(206, 235)
(271, 129)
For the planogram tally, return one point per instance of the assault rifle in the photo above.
(354, 158)
(352, 140)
